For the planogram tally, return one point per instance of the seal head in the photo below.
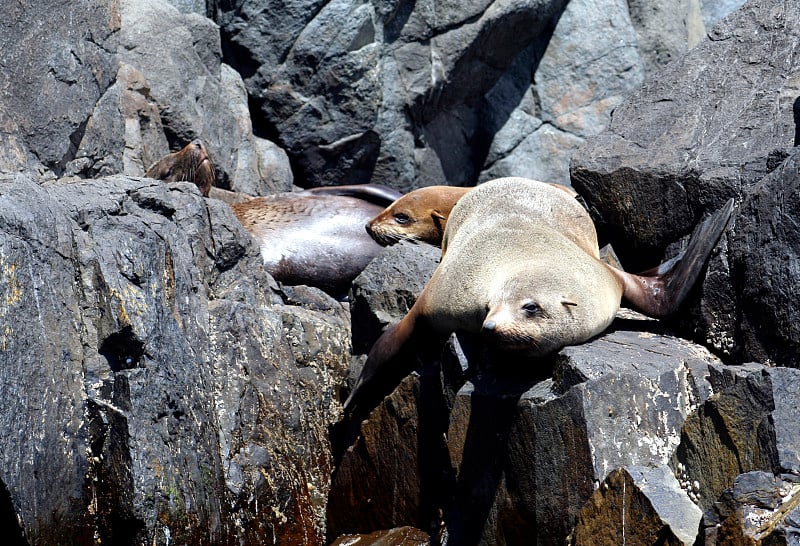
(191, 163)
(420, 215)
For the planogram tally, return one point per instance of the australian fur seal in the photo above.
(520, 265)
(421, 215)
(191, 163)
(316, 237)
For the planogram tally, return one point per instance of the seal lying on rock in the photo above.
(191, 164)
(316, 237)
(421, 215)
(520, 264)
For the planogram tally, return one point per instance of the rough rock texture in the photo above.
(658, 421)
(654, 510)
(401, 536)
(576, 84)
(749, 431)
(618, 401)
(158, 387)
(759, 508)
(68, 75)
(122, 84)
(387, 288)
(719, 122)
(664, 29)
(415, 93)
(764, 259)
(162, 392)
(708, 127)
(199, 96)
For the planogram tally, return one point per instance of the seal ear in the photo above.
(568, 303)
(438, 219)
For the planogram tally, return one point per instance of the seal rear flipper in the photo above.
(377, 194)
(662, 293)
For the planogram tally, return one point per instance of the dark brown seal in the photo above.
(421, 215)
(315, 237)
(191, 164)
(520, 264)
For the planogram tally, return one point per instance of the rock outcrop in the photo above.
(134, 80)
(635, 435)
(720, 122)
(158, 387)
(65, 65)
(415, 93)
(156, 373)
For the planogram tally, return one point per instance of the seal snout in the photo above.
(198, 148)
(379, 234)
(489, 326)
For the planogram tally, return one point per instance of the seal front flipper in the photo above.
(662, 293)
(401, 349)
(387, 363)
(372, 193)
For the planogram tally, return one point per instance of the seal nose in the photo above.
(197, 143)
(489, 326)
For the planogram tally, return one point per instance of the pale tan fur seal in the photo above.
(520, 264)
(421, 215)
(191, 164)
(316, 237)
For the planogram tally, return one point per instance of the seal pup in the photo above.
(316, 237)
(421, 215)
(520, 265)
(191, 163)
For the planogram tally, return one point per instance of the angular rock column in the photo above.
(706, 127)
(525, 454)
(165, 389)
(638, 505)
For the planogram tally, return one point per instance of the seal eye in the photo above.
(532, 309)
(402, 218)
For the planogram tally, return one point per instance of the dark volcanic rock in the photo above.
(765, 262)
(198, 96)
(707, 127)
(382, 96)
(162, 393)
(103, 88)
(742, 428)
(525, 453)
(57, 62)
(387, 288)
(655, 510)
(759, 508)
(401, 536)
(412, 94)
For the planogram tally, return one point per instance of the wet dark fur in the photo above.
(191, 164)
